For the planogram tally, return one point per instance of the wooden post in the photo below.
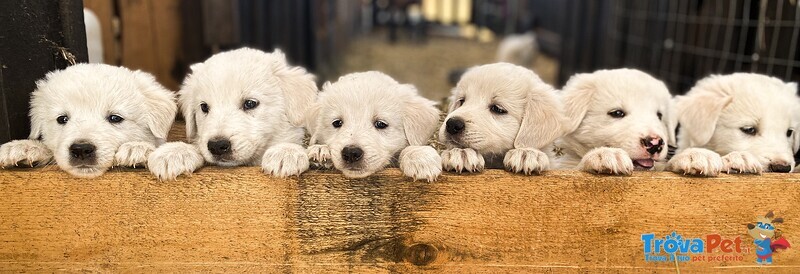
(37, 37)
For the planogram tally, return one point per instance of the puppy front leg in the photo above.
(133, 153)
(26, 152)
(421, 162)
(320, 156)
(526, 160)
(172, 159)
(741, 162)
(462, 159)
(607, 160)
(696, 162)
(284, 160)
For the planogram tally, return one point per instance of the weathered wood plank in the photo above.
(223, 219)
(104, 9)
(150, 37)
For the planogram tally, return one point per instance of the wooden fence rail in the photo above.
(237, 219)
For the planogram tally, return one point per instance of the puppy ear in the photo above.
(298, 86)
(160, 105)
(670, 119)
(420, 116)
(542, 120)
(312, 122)
(698, 115)
(37, 121)
(576, 97)
(187, 110)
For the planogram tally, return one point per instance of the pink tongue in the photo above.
(646, 163)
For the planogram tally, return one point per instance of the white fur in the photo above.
(87, 94)
(518, 49)
(268, 135)
(533, 120)
(361, 99)
(712, 114)
(600, 143)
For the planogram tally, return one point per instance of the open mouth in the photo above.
(762, 236)
(643, 164)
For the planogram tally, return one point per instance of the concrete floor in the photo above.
(427, 65)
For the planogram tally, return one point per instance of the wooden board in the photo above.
(150, 38)
(237, 219)
(104, 9)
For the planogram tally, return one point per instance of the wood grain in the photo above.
(237, 219)
(104, 9)
(150, 37)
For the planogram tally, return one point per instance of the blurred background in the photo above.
(424, 42)
(427, 42)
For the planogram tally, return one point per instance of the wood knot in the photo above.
(421, 254)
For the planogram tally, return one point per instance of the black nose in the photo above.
(352, 154)
(454, 126)
(653, 145)
(219, 147)
(780, 167)
(82, 151)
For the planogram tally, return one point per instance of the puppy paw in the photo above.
(459, 160)
(320, 156)
(172, 159)
(607, 160)
(284, 160)
(696, 162)
(421, 162)
(132, 154)
(741, 162)
(24, 152)
(526, 160)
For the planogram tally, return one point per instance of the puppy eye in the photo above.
(204, 107)
(618, 113)
(381, 124)
(460, 101)
(62, 119)
(497, 109)
(749, 130)
(114, 119)
(659, 115)
(337, 123)
(249, 104)
(789, 132)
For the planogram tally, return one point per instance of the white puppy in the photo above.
(362, 121)
(500, 112)
(749, 118)
(242, 107)
(89, 117)
(617, 122)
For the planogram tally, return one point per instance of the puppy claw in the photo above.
(696, 162)
(459, 160)
(421, 162)
(741, 162)
(526, 160)
(24, 151)
(132, 153)
(320, 156)
(170, 160)
(606, 160)
(284, 160)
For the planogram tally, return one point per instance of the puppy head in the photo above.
(239, 102)
(85, 112)
(742, 112)
(498, 107)
(621, 108)
(367, 118)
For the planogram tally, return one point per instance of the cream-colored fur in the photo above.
(530, 118)
(346, 114)
(714, 115)
(269, 135)
(598, 142)
(85, 96)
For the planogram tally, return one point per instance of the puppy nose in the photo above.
(454, 126)
(82, 151)
(352, 154)
(781, 167)
(219, 147)
(653, 145)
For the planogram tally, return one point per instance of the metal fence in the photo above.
(681, 41)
